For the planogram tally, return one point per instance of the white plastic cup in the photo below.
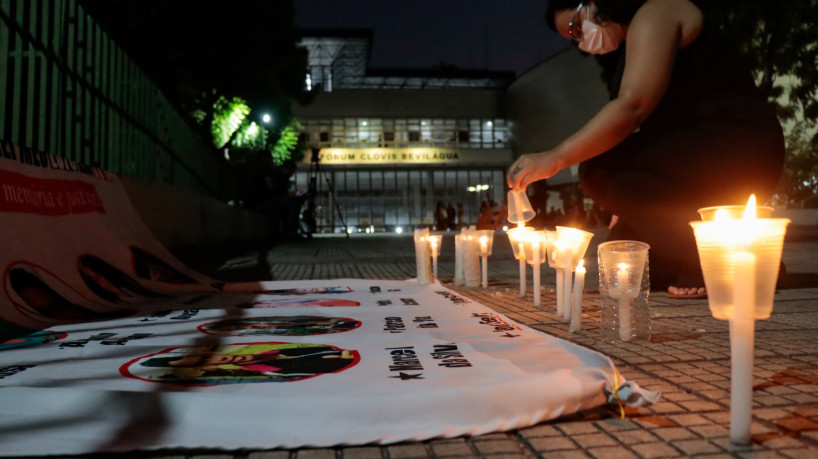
(519, 207)
(624, 284)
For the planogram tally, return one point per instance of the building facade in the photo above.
(392, 145)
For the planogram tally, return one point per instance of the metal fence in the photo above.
(67, 89)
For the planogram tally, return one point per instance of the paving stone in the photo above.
(315, 454)
(655, 450)
(694, 447)
(612, 453)
(270, 455)
(552, 443)
(407, 451)
(362, 452)
(688, 362)
(456, 448)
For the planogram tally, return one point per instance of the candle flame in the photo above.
(580, 264)
(623, 266)
(721, 215)
(483, 239)
(750, 210)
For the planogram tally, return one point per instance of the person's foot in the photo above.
(689, 293)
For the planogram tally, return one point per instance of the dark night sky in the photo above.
(470, 34)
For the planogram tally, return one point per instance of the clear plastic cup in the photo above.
(485, 241)
(732, 212)
(516, 237)
(519, 207)
(624, 285)
(575, 243)
(740, 258)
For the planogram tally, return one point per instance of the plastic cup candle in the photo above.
(519, 207)
(576, 305)
(422, 256)
(740, 258)
(434, 249)
(458, 260)
(575, 243)
(535, 245)
(624, 292)
(556, 248)
(516, 237)
(486, 239)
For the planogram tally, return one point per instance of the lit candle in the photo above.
(471, 261)
(579, 285)
(434, 241)
(458, 260)
(484, 241)
(740, 259)
(422, 256)
(567, 265)
(624, 294)
(522, 272)
(517, 239)
(742, 340)
(559, 249)
(535, 263)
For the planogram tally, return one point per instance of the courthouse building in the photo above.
(391, 144)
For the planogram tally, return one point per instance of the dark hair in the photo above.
(618, 11)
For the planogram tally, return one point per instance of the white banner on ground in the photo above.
(182, 361)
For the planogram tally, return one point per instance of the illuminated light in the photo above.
(266, 118)
(471, 189)
(489, 124)
(505, 228)
(309, 82)
(750, 210)
(368, 230)
(364, 123)
(399, 230)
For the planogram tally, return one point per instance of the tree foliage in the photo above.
(780, 41)
(203, 51)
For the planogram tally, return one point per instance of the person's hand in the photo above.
(532, 167)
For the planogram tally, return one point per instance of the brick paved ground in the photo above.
(687, 359)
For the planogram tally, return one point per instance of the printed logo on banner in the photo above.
(280, 325)
(240, 363)
(304, 291)
(32, 339)
(40, 295)
(53, 197)
(292, 303)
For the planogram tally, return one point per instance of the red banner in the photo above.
(21, 193)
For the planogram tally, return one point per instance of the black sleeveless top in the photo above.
(709, 80)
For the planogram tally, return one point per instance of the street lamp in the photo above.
(265, 118)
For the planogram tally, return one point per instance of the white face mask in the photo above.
(599, 39)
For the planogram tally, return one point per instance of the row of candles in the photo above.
(563, 249)
(739, 248)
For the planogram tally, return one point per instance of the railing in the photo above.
(67, 89)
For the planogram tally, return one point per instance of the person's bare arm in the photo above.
(655, 34)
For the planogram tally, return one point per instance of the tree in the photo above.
(780, 41)
(203, 51)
